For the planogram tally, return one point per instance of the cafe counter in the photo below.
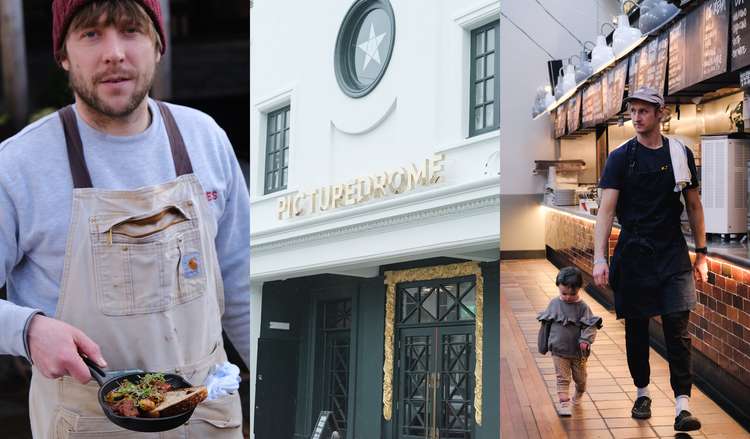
(719, 324)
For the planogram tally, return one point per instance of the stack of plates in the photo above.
(565, 197)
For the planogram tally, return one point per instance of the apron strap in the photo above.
(182, 164)
(631, 147)
(77, 161)
(81, 177)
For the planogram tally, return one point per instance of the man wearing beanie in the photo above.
(109, 245)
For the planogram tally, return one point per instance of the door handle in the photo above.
(427, 393)
(435, 431)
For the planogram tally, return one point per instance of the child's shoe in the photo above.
(563, 409)
(577, 397)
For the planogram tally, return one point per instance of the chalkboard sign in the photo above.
(648, 65)
(676, 77)
(574, 112)
(745, 79)
(593, 108)
(604, 83)
(613, 91)
(739, 35)
(560, 118)
(715, 37)
(698, 45)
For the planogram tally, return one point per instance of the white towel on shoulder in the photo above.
(678, 154)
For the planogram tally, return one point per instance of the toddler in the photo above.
(568, 329)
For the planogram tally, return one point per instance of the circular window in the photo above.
(364, 46)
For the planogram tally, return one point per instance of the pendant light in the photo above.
(583, 68)
(624, 35)
(654, 13)
(559, 84)
(569, 79)
(602, 53)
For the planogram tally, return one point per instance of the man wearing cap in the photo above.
(109, 246)
(651, 273)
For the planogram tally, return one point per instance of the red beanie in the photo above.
(63, 12)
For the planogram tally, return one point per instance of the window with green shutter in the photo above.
(484, 114)
(277, 150)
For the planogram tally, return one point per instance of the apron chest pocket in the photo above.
(147, 263)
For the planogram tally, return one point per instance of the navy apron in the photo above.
(651, 248)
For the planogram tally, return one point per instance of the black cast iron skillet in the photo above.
(109, 381)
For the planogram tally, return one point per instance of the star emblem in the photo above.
(370, 47)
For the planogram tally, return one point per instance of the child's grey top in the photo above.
(564, 326)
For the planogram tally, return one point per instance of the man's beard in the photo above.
(88, 95)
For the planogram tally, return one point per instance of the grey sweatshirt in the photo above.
(564, 326)
(36, 191)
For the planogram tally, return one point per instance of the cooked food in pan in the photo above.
(152, 396)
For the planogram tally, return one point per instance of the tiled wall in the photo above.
(573, 238)
(720, 323)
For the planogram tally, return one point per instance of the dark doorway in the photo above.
(276, 389)
(335, 336)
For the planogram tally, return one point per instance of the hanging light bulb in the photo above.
(624, 35)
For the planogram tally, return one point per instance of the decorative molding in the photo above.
(278, 98)
(392, 278)
(364, 130)
(419, 215)
(478, 15)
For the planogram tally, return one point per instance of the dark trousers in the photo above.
(675, 326)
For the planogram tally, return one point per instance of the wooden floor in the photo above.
(527, 379)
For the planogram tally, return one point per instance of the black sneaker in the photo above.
(685, 421)
(642, 408)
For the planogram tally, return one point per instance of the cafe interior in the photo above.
(698, 54)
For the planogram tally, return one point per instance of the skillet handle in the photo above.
(96, 372)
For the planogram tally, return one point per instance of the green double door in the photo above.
(435, 394)
(435, 356)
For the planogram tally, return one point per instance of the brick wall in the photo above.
(720, 323)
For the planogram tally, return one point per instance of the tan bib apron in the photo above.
(142, 279)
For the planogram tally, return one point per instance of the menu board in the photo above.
(714, 32)
(676, 77)
(593, 108)
(648, 65)
(605, 80)
(700, 41)
(615, 88)
(739, 56)
(560, 120)
(745, 79)
(574, 112)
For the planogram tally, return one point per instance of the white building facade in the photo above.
(375, 217)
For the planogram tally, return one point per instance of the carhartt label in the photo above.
(191, 265)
